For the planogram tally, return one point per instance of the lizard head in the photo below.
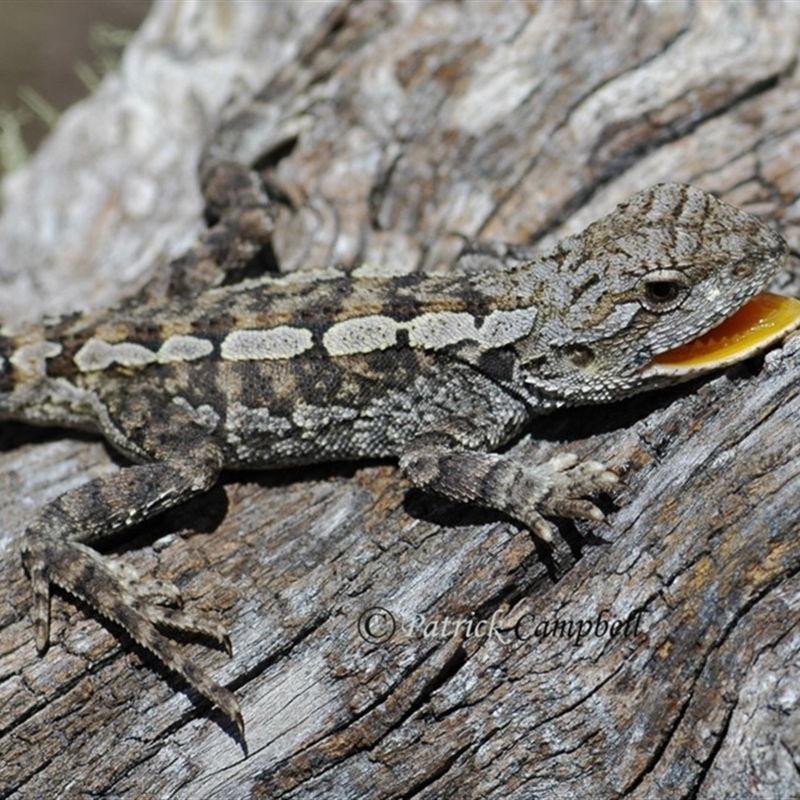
(667, 287)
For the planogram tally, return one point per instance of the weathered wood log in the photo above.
(652, 656)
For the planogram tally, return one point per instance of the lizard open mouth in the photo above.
(759, 323)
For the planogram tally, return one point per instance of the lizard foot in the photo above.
(559, 488)
(139, 606)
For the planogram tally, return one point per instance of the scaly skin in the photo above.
(436, 371)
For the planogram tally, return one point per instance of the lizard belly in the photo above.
(362, 417)
(272, 414)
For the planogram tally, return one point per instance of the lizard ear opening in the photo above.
(759, 323)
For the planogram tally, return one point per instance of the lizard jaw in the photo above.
(761, 322)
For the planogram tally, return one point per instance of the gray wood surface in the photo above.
(402, 129)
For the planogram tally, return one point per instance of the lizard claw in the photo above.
(561, 487)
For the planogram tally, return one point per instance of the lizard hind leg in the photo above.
(55, 550)
(242, 213)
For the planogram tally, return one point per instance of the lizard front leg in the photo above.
(55, 551)
(559, 487)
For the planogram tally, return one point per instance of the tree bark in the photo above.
(386, 643)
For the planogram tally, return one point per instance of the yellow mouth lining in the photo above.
(759, 323)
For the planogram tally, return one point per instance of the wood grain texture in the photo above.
(402, 129)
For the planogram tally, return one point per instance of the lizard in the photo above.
(208, 370)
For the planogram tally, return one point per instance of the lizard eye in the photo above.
(663, 290)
